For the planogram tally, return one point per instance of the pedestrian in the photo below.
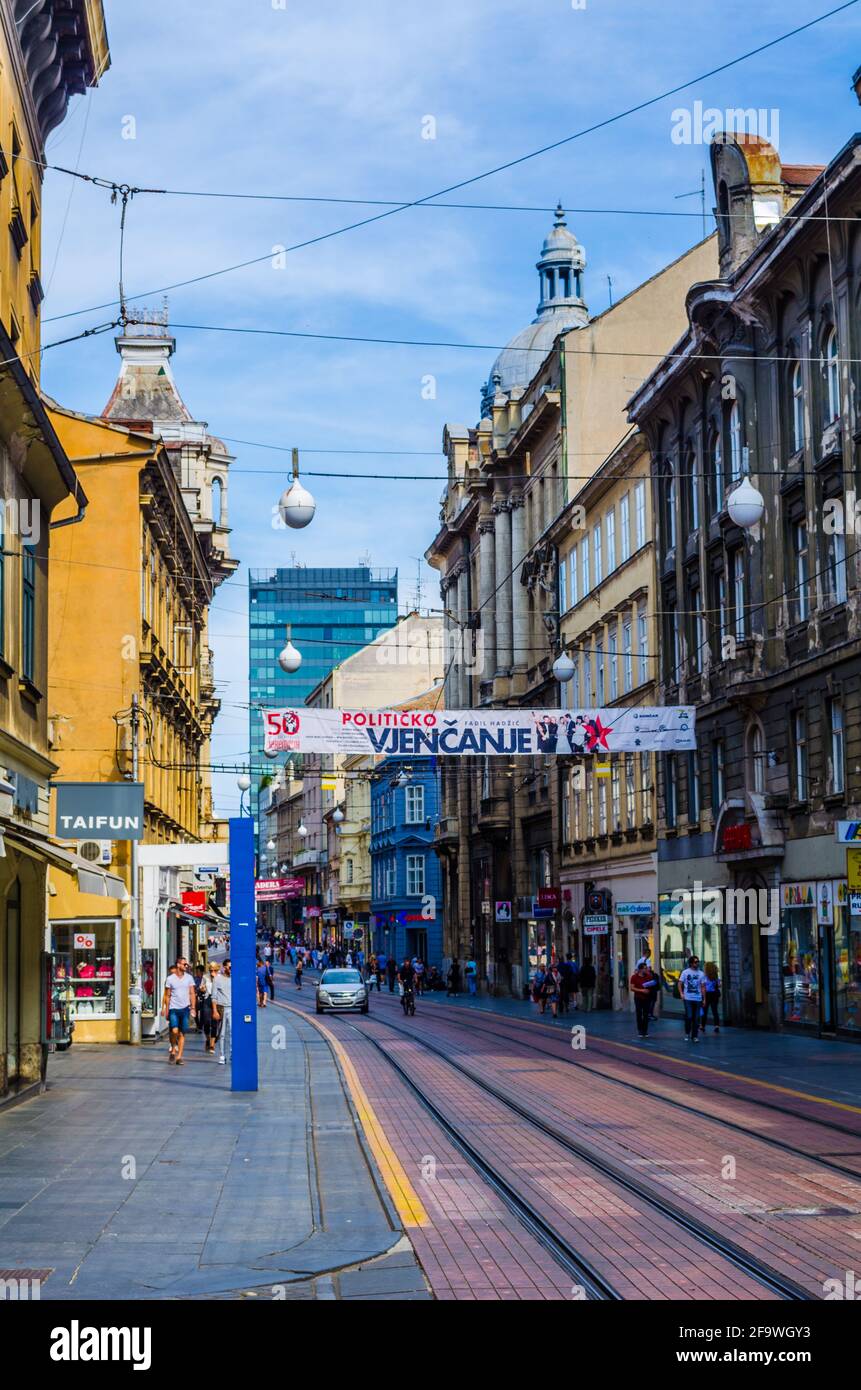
(267, 952)
(712, 995)
(177, 1003)
(550, 990)
(300, 965)
(538, 983)
(642, 988)
(222, 990)
(419, 968)
(262, 983)
(282, 951)
(692, 988)
(566, 977)
(378, 971)
(270, 966)
(204, 1008)
(471, 977)
(454, 978)
(391, 973)
(587, 986)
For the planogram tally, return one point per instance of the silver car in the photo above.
(341, 990)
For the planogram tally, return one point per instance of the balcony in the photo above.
(310, 859)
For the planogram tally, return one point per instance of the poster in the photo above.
(429, 733)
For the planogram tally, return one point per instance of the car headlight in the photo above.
(322, 994)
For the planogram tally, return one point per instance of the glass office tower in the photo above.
(332, 613)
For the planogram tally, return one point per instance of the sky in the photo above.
(326, 99)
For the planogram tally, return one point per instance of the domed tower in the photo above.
(560, 270)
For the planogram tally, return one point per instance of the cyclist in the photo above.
(407, 979)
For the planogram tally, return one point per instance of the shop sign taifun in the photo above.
(460, 733)
(100, 810)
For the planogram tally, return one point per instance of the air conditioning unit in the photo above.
(96, 851)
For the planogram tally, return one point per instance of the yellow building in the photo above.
(37, 77)
(131, 675)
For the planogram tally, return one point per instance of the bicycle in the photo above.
(408, 1000)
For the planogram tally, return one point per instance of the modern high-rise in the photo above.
(331, 613)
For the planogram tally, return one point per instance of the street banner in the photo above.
(277, 889)
(427, 733)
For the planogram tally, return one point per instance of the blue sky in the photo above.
(328, 100)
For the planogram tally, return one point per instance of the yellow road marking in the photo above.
(407, 1201)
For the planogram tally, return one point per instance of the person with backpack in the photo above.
(711, 997)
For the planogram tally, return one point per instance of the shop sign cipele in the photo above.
(430, 733)
(100, 810)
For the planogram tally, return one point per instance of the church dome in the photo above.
(560, 267)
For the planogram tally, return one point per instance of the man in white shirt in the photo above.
(179, 998)
(222, 990)
(692, 987)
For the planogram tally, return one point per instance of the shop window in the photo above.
(86, 960)
(800, 966)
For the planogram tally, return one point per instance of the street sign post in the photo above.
(243, 931)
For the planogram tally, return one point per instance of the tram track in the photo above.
(510, 1036)
(572, 1260)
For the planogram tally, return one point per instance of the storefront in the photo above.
(87, 967)
(687, 926)
(820, 941)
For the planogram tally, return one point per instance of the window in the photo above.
(832, 375)
(596, 547)
(640, 513)
(575, 682)
(602, 805)
(415, 797)
(738, 598)
(616, 794)
(566, 811)
(89, 975)
(718, 774)
(614, 663)
(715, 473)
(646, 786)
(670, 508)
(799, 742)
(670, 790)
(415, 875)
(584, 565)
(590, 803)
(835, 724)
(28, 612)
(756, 760)
(587, 676)
(628, 655)
(692, 489)
(797, 387)
(735, 446)
(610, 523)
(391, 883)
(485, 778)
(643, 643)
(802, 570)
(599, 667)
(2, 582)
(698, 630)
(836, 567)
(625, 527)
(572, 569)
(563, 598)
(693, 788)
(349, 871)
(630, 793)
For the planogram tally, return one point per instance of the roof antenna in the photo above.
(698, 193)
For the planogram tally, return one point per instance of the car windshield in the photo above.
(341, 977)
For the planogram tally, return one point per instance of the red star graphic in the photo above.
(598, 737)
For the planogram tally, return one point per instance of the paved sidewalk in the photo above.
(131, 1178)
(818, 1066)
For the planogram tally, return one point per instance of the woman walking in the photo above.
(711, 998)
(300, 966)
(205, 1017)
(550, 990)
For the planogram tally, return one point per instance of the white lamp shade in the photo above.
(745, 505)
(297, 506)
(337, 815)
(563, 668)
(270, 845)
(243, 782)
(290, 659)
(303, 831)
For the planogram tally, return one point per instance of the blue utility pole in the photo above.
(243, 955)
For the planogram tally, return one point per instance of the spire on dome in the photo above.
(146, 392)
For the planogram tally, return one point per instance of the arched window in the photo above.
(735, 448)
(832, 375)
(756, 760)
(797, 387)
(723, 210)
(692, 488)
(217, 500)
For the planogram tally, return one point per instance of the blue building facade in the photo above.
(332, 612)
(406, 882)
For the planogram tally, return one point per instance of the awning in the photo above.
(90, 878)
